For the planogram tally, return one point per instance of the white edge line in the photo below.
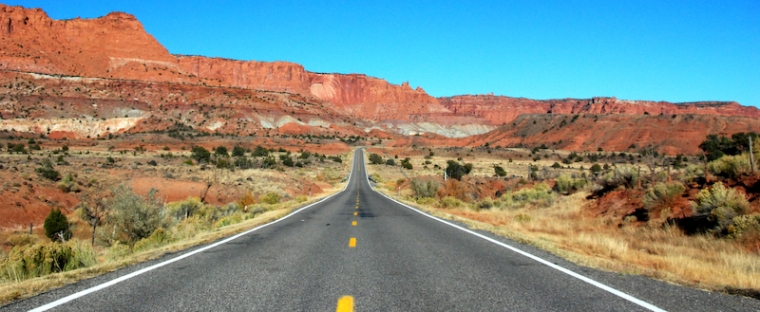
(599, 285)
(115, 281)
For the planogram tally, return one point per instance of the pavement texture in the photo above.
(379, 255)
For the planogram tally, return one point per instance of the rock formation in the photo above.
(91, 77)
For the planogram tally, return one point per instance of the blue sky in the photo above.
(650, 50)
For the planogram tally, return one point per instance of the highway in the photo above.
(359, 250)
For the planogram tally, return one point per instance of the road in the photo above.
(360, 250)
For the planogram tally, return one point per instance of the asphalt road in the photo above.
(361, 250)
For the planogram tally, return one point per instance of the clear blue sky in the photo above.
(652, 50)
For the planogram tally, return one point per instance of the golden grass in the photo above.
(664, 253)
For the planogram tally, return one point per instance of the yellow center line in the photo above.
(345, 304)
(356, 213)
(353, 223)
(352, 242)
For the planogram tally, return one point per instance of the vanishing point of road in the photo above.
(359, 250)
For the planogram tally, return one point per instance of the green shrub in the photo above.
(24, 262)
(135, 217)
(450, 202)
(118, 251)
(375, 159)
(499, 171)
(270, 198)
(22, 239)
(301, 198)
(625, 176)
(486, 203)
(424, 188)
(57, 226)
(426, 201)
(200, 154)
(522, 218)
(745, 225)
(567, 184)
(663, 195)
(47, 171)
(68, 184)
(721, 204)
(540, 195)
(158, 238)
(238, 151)
(228, 220)
(730, 166)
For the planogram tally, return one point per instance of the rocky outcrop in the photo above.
(671, 134)
(116, 46)
(501, 109)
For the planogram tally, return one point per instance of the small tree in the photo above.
(57, 226)
(499, 171)
(375, 159)
(390, 162)
(221, 151)
(259, 151)
(456, 170)
(134, 216)
(200, 154)
(238, 151)
(47, 171)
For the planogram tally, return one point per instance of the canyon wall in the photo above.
(501, 109)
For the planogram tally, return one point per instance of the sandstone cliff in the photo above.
(501, 109)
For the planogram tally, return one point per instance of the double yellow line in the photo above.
(346, 303)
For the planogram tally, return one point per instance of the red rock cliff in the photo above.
(117, 46)
(501, 109)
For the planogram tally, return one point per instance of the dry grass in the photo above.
(28, 288)
(660, 252)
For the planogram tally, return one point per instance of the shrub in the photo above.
(730, 166)
(200, 154)
(424, 188)
(117, 251)
(229, 220)
(259, 151)
(450, 202)
(745, 225)
(68, 184)
(180, 210)
(567, 184)
(57, 226)
(135, 217)
(721, 204)
(24, 262)
(522, 218)
(270, 198)
(456, 171)
(663, 195)
(426, 201)
(375, 159)
(22, 239)
(407, 164)
(47, 171)
(301, 198)
(486, 203)
(390, 162)
(221, 151)
(621, 176)
(540, 195)
(238, 151)
(247, 199)
(287, 161)
(499, 171)
(596, 169)
(158, 238)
